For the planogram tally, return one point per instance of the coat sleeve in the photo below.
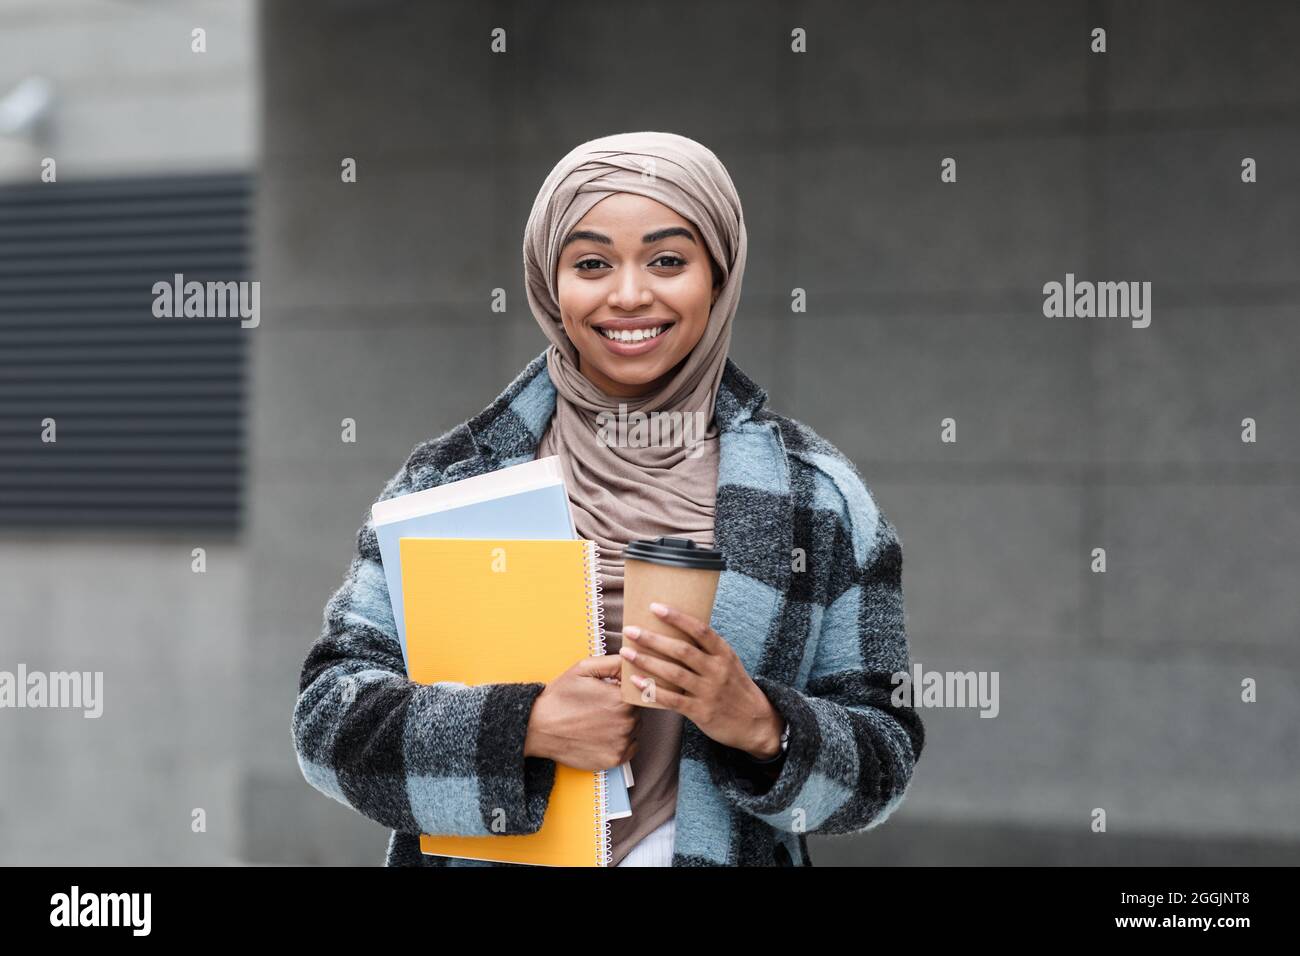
(851, 750)
(444, 758)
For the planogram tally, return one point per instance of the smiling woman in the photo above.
(639, 312)
(774, 720)
(634, 303)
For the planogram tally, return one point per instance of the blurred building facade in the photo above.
(144, 132)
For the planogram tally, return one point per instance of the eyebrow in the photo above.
(646, 240)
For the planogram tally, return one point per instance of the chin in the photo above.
(631, 372)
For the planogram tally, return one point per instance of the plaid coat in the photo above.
(811, 601)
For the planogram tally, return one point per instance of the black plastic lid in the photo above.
(678, 552)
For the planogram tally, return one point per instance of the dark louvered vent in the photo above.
(149, 411)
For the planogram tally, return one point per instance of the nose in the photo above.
(631, 292)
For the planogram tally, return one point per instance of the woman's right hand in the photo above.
(581, 720)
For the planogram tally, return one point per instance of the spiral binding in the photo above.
(596, 644)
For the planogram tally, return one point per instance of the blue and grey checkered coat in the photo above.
(811, 601)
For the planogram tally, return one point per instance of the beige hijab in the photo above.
(621, 493)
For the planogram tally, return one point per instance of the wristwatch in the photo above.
(785, 745)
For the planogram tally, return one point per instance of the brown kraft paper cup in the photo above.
(673, 571)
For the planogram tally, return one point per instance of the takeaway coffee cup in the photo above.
(673, 571)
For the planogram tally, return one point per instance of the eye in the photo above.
(676, 260)
(581, 262)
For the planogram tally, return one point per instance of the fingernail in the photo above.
(628, 653)
(658, 608)
(632, 631)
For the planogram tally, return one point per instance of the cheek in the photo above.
(576, 300)
(694, 308)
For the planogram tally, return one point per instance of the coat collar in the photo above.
(753, 462)
(511, 427)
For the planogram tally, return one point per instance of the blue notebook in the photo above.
(528, 500)
(539, 513)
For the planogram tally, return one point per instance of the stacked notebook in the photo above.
(489, 584)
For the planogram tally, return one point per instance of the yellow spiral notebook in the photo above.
(484, 611)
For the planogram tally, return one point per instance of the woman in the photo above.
(634, 255)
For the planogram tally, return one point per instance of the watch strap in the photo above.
(781, 750)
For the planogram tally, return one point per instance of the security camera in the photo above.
(23, 107)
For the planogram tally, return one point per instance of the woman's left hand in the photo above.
(720, 697)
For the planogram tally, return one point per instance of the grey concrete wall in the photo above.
(130, 95)
(1118, 690)
(129, 98)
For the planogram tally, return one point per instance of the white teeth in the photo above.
(634, 335)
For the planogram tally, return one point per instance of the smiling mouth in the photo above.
(632, 336)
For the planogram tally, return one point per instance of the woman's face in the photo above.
(634, 269)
